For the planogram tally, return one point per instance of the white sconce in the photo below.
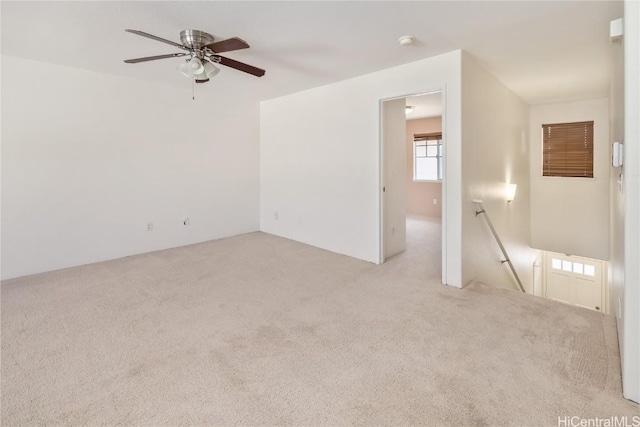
(510, 191)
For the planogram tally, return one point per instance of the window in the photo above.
(575, 267)
(567, 149)
(427, 157)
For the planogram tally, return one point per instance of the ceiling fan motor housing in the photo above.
(195, 39)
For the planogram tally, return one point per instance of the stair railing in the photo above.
(506, 259)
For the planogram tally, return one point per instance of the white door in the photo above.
(394, 188)
(575, 280)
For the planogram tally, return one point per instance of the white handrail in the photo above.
(495, 235)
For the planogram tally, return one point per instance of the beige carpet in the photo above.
(259, 330)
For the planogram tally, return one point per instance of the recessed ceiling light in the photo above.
(406, 40)
(408, 109)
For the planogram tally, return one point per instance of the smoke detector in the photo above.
(406, 40)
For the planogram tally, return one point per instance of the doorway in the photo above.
(412, 171)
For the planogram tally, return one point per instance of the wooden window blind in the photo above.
(567, 149)
(427, 136)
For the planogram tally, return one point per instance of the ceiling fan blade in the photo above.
(153, 58)
(238, 65)
(227, 45)
(160, 39)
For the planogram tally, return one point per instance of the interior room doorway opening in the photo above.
(412, 175)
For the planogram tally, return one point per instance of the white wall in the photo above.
(629, 328)
(616, 211)
(571, 215)
(320, 159)
(88, 159)
(494, 153)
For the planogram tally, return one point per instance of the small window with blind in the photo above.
(427, 157)
(567, 150)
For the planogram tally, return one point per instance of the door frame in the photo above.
(381, 216)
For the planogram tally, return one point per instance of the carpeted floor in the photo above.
(260, 330)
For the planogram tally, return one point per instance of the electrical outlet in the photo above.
(276, 215)
(435, 201)
(149, 226)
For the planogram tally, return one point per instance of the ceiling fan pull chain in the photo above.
(193, 88)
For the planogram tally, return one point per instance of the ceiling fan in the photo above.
(201, 52)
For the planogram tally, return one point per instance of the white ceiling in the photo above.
(425, 105)
(543, 50)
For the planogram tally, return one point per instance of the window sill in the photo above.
(428, 181)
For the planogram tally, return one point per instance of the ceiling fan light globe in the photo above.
(196, 66)
(185, 69)
(200, 77)
(210, 69)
